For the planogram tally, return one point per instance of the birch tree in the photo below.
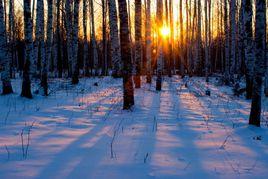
(182, 63)
(260, 62)
(126, 56)
(69, 38)
(104, 39)
(40, 25)
(94, 51)
(4, 60)
(58, 37)
(75, 75)
(138, 43)
(12, 29)
(266, 81)
(227, 44)
(85, 51)
(148, 41)
(249, 48)
(114, 39)
(28, 66)
(206, 39)
(48, 54)
(232, 37)
(199, 38)
(159, 13)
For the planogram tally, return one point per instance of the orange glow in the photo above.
(165, 31)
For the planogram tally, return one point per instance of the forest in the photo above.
(133, 88)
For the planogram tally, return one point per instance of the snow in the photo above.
(82, 131)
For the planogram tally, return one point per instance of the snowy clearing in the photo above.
(82, 131)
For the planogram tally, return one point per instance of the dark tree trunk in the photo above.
(138, 45)
(126, 56)
(260, 62)
(26, 84)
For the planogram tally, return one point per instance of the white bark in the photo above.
(69, 29)
(93, 39)
(138, 45)
(148, 40)
(160, 56)
(206, 39)
(249, 46)
(75, 67)
(85, 51)
(28, 70)
(4, 57)
(260, 62)
(233, 36)
(114, 38)
(227, 44)
(40, 25)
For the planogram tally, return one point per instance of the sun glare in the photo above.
(165, 31)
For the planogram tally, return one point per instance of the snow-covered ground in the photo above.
(82, 132)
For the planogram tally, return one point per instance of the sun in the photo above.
(165, 31)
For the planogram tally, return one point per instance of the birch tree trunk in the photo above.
(85, 51)
(148, 42)
(260, 62)
(266, 82)
(249, 48)
(206, 39)
(104, 39)
(69, 29)
(75, 76)
(114, 39)
(159, 13)
(40, 41)
(58, 40)
(233, 37)
(172, 37)
(199, 38)
(126, 56)
(28, 66)
(12, 37)
(138, 45)
(48, 55)
(227, 43)
(93, 40)
(182, 40)
(4, 60)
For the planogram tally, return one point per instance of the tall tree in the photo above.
(138, 43)
(94, 52)
(28, 38)
(199, 38)
(206, 39)
(266, 81)
(126, 55)
(148, 41)
(40, 41)
(104, 39)
(12, 29)
(233, 37)
(114, 39)
(260, 61)
(58, 38)
(249, 48)
(75, 66)
(159, 13)
(182, 61)
(69, 38)
(48, 55)
(85, 50)
(227, 44)
(4, 57)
